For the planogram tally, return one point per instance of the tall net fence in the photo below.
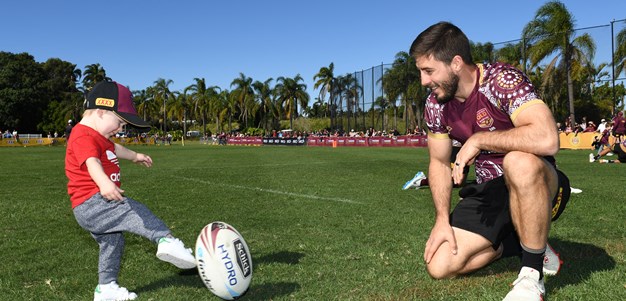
(365, 105)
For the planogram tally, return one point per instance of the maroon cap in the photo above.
(114, 97)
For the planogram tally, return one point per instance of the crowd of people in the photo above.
(615, 126)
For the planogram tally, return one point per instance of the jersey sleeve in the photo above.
(511, 90)
(433, 116)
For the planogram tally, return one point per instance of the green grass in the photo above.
(321, 223)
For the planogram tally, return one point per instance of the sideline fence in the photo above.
(365, 106)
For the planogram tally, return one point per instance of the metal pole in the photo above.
(613, 67)
(164, 115)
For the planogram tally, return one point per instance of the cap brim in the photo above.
(132, 119)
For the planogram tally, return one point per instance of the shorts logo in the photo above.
(557, 204)
(483, 119)
(105, 102)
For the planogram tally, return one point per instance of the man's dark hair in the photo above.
(443, 41)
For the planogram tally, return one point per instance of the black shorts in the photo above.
(621, 155)
(484, 209)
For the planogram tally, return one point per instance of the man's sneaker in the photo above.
(415, 182)
(527, 286)
(173, 250)
(591, 158)
(112, 292)
(551, 262)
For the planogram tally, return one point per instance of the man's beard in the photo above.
(449, 88)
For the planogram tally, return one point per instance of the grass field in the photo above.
(321, 223)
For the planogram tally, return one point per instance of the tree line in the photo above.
(41, 97)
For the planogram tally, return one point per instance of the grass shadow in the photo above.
(580, 261)
(285, 257)
(270, 291)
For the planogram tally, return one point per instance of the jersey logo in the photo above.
(483, 119)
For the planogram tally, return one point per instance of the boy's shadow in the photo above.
(264, 291)
(580, 261)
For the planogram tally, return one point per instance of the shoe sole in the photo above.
(552, 272)
(179, 263)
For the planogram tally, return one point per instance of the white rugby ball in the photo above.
(223, 260)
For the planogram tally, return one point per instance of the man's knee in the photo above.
(439, 271)
(522, 163)
(444, 267)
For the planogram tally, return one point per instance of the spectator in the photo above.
(619, 126)
(68, 129)
(601, 126)
(591, 127)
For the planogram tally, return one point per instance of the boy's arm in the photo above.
(108, 189)
(125, 153)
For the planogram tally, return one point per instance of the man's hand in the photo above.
(441, 232)
(466, 156)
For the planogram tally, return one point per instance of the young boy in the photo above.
(98, 202)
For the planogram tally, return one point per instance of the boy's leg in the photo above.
(111, 250)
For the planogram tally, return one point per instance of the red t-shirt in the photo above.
(83, 144)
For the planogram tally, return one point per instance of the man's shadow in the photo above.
(580, 261)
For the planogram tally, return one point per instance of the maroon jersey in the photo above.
(500, 94)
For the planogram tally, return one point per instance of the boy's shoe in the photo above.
(551, 262)
(415, 182)
(173, 250)
(527, 286)
(591, 158)
(112, 292)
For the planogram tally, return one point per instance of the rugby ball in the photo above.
(223, 260)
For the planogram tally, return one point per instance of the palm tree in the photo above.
(145, 104)
(352, 93)
(245, 96)
(325, 79)
(93, 74)
(179, 107)
(402, 81)
(264, 93)
(162, 94)
(512, 55)
(291, 93)
(203, 99)
(552, 31)
(339, 91)
(230, 101)
(620, 53)
(482, 52)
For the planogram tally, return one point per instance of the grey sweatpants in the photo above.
(107, 220)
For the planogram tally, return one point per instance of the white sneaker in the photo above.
(173, 250)
(575, 190)
(591, 158)
(551, 262)
(527, 287)
(112, 292)
(415, 182)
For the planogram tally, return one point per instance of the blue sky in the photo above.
(139, 41)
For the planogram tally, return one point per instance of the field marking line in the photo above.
(307, 196)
